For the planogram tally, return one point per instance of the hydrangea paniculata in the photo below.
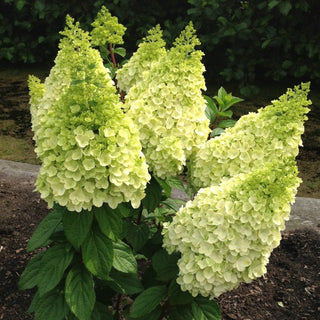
(168, 106)
(149, 51)
(89, 149)
(226, 234)
(106, 29)
(273, 132)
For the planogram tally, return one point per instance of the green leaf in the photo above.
(53, 265)
(227, 114)
(216, 132)
(29, 277)
(153, 315)
(123, 258)
(173, 204)
(147, 301)
(285, 7)
(109, 221)
(45, 229)
(206, 309)
(125, 283)
(51, 306)
(76, 226)
(178, 297)
(227, 123)
(210, 104)
(210, 114)
(181, 313)
(79, 292)
(165, 265)
(97, 253)
(176, 183)
(138, 235)
(120, 51)
(165, 186)
(273, 3)
(153, 195)
(101, 312)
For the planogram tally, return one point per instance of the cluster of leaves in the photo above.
(219, 115)
(90, 267)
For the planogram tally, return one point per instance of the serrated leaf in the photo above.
(120, 51)
(45, 229)
(138, 235)
(125, 283)
(51, 306)
(147, 301)
(175, 183)
(109, 221)
(181, 313)
(210, 104)
(29, 277)
(53, 265)
(79, 292)
(173, 204)
(165, 265)
(216, 132)
(123, 258)
(177, 296)
(153, 195)
(227, 123)
(97, 253)
(165, 186)
(206, 309)
(210, 114)
(76, 226)
(227, 114)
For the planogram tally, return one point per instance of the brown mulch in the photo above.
(290, 289)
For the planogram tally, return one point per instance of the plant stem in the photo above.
(114, 62)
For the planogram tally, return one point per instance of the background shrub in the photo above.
(244, 41)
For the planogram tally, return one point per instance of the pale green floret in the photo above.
(227, 233)
(272, 133)
(90, 150)
(149, 51)
(107, 29)
(168, 107)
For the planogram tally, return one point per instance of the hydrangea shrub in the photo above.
(115, 244)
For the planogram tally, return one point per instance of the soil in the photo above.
(289, 290)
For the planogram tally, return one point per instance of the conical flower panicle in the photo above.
(227, 233)
(90, 150)
(149, 52)
(168, 107)
(274, 132)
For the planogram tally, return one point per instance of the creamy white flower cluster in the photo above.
(272, 133)
(149, 51)
(89, 149)
(226, 234)
(167, 105)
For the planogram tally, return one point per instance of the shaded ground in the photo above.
(290, 290)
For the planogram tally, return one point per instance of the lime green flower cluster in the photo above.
(272, 133)
(226, 234)
(107, 29)
(89, 149)
(168, 107)
(149, 51)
